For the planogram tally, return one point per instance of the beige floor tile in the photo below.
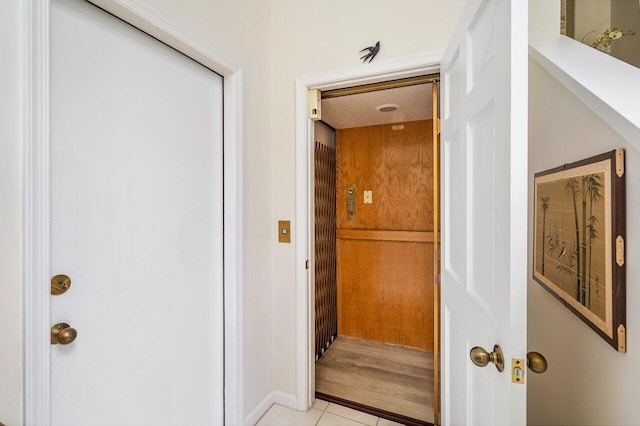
(352, 414)
(283, 416)
(320, 404)
(329, 419)
(385, 422)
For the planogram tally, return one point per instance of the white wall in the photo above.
(544, 18)
(10, 214)
(625, 15)
(591, 15)
(588, 382)
(309, 37)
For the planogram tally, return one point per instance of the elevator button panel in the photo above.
(351, 202)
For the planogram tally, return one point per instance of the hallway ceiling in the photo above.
(414, 103)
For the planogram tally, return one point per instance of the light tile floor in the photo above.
(322, 413)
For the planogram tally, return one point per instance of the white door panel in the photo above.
(484, 160)
(136, 201)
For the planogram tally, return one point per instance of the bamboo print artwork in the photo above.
(594, 189)
(545, 208)
(571, 250)
(579, 238)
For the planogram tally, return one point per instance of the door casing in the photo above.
(35, 140)
(394, 69)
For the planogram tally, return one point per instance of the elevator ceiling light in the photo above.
(387, 108)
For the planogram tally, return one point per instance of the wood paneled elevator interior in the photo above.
(375, 231)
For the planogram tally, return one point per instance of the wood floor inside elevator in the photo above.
(385, 377)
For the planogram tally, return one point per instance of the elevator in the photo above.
(376, 160)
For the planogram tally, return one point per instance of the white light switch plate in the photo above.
(368, 197)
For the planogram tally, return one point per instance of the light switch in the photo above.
(368, 197)
(284, 231)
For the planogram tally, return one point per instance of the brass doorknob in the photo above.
(481, 358)
(60, 284)
(536, 362)
(63, 333)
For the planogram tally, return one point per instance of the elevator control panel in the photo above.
(284, 231)
(351, 202)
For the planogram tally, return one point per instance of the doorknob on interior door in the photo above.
(481, 358)
(60, 284)
(63, 333)
(536, 362)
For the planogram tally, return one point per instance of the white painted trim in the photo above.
(302, 245)
(256, 414)
(147, 19)
(276, 397)
(391, 69)
(606, 85)
(304, 240)
(233, 249)
(36, 209)
(285, 399)
(409, 66)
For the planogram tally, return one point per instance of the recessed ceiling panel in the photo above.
(413, 103)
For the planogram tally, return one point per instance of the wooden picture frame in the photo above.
(567, 17)
(579, 236)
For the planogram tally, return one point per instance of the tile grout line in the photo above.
(346, 418)
(323, 411)
(338, 415)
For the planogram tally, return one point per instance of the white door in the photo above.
(484, 212)
(136, 205)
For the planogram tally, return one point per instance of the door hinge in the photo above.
(438, 126)
(306, 264)
(437, 279)
(314, 99)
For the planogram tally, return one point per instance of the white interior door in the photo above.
(136, 206)
(484, 212)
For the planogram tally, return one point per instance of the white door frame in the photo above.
(410, 66)
(35, 139)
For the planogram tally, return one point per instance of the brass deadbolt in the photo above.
(63, 333)
(536, 362)
(60, 284)
(481, 358)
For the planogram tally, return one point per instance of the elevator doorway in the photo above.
(376, 249)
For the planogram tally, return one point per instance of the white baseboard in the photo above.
(284, 399)
(276, 397)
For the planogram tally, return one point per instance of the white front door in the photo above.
(484, 212)
(136, 223)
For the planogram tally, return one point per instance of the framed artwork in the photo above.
(579, 237)
(567, 13)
